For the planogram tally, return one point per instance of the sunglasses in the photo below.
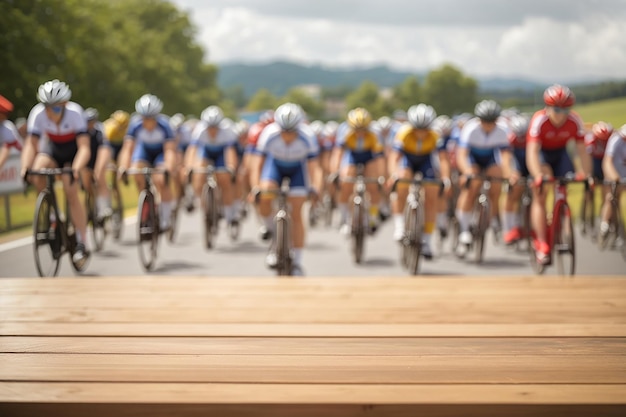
(561, 110)
(55, 109)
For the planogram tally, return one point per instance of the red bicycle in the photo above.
(560, 232)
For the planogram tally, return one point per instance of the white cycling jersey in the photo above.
(73, 123)
(156, 137)
(272, 144)
(474, 138)
(616, 150)
(224, 138)
(9, 133)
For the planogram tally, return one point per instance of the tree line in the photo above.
(111, 52)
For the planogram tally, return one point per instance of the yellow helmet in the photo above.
(121, 117)
(359, 118)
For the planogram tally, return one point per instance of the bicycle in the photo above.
(454, 228)
(117, 206)
(360, 210)
(95, 222)
(616, 230)
(481, 214)
(281, 241)
(50, 231)
(587, 212)
(524, 212)
(148, 224)
(560, 232)
(411, 244)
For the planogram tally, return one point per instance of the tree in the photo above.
(312, 107)
(407, 93)
(263, 99)
(449, 91)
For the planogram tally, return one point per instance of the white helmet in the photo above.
(212, 115)
(148, 105)
(53, 92)
(288, 116)
(421, 116)
(519, 125)
(488, 110)
(443, 124)
(330, 129)
(317, 126)
(622, 131)
(385, 122)
(177, 120)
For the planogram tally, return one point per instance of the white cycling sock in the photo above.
(510, 220)
(297, 256)
(268, 221)
(442, 220)
(398, 221)
(166, 210)
(426, 238)
(343, 212)
(228, 213)
(465, 218)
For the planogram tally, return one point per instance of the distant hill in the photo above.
(279, 77)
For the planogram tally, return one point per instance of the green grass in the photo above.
(612, 111)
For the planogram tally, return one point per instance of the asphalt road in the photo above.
(326, 254)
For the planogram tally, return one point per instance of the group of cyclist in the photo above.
(322, 158)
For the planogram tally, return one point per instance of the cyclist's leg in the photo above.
(271, 178)
(44, 159)
(465, 205)
(103, 199)
(299, 189)
(495, 192)
(511, 221)
(538, 209)
(346, 170)
(140, 159)
(224, 159)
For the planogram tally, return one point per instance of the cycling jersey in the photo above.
(287, 160)
(61, 143)
(185, 137)
(595, 147)
(97, 139)
(149, 143)
(517, 142)
(550, 137)
(616, 150)
(114, 132)
(484, 148)
(9, 135)
(254, 132)
(349, 139)
(406, 141)
(213, 148)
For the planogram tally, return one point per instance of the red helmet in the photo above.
(5, 105)
(559, 96)
(602, 131)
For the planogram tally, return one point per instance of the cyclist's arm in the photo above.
(256, 164)
(608, 167)
(532, 158)
(585, 158)
(335, 159)
(462, 161)
(507, 163)
(190, 155)
(230, 157)
(169, 155)
(126, 152)
(444, 164)
(315, 173)
(102, 160)
(29, 152)
(83, 142)
(4, 154)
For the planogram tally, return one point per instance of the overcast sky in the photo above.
(544, 40)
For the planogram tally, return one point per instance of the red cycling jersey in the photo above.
(595, 147)
(553, 138)
(255, 131)
(517, 142)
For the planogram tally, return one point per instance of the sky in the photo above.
(540, 40)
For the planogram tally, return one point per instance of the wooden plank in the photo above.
(445, 313)
(418, 285)
(200, 393)
(303, 369)
(316, 346)
(312, 330)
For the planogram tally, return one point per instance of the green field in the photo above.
(612, 111)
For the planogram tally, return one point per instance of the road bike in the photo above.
(360, 210)
(53, 233)
(281, 242)
(560, 231)
(148, 223)
(616, 233)
(411, 244)
(588, 212)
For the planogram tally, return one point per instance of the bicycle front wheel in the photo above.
(117, 218)
(47, 242)
(97, 226)
(620, 233)
(171, 233)
(283, 255)
(148, 230)
(413, 243)
(210, 215)
(564, 249)
(481, 229)
(588, 215)
(358, 231)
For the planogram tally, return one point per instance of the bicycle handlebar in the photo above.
(47, 172)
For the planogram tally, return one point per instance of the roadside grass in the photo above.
(612, 111)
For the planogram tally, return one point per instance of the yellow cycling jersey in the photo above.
(368, 141)
(114, 131)
(406, 140)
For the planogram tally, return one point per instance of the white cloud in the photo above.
(541, 48)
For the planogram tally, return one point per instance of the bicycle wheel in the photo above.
(413, 231)
(620, 232)
(283, 256)
(482, 224)
(47, 242)
(587, 214)
(564, 250)
(328, 205)
(117, 217)
(97, 226)
(524, 215)
(358, 231)
(171, 233)
(208, 198)
(148, 230)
